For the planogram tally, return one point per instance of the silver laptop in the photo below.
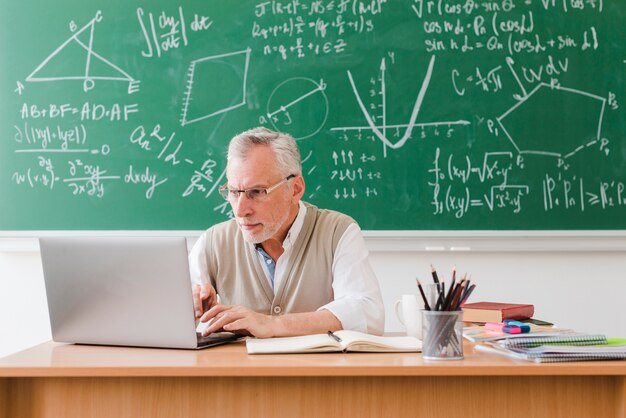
(131, 291)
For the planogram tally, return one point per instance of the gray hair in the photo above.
(284, 147)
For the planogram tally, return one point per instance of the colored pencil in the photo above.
(424, 298)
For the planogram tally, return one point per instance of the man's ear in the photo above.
(298, 188)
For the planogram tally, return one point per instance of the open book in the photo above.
(321, 343)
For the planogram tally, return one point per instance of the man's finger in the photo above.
(238, 325)
(208, 297)
(215, 324)
(222, 318)
(197, 301)
(213, 312)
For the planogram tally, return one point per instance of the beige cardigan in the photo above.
(238, 276)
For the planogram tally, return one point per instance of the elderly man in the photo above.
(281, 267)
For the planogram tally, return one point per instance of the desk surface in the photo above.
(64, 381)
(67, 360)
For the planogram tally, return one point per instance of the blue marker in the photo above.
(523, 327)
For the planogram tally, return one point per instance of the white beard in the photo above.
(266, 233)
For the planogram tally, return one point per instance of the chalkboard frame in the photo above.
(415, 206)
(395, 241)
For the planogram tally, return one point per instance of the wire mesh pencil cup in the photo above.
(443, 335)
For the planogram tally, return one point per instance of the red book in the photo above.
(496, 312)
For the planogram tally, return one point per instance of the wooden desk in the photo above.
(57, 380)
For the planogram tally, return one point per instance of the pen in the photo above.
(333, 336)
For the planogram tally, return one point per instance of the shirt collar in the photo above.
(296, 227)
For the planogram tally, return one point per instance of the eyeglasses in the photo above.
(256, 194)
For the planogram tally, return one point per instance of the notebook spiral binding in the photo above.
(583, 339)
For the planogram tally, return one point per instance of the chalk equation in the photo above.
(449, 114)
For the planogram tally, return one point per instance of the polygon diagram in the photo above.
(215, 85)
(553, 120)
(75, 59)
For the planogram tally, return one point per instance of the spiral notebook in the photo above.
(566, 340)
(560, 357)
(579, 347)
(553, 354)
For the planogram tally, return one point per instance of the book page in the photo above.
(320, 343)
(358, 341)
(317, 343)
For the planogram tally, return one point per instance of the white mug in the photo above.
(409, 313)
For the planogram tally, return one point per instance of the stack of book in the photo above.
(496, 311)
(557, 348)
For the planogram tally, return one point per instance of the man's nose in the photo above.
(241, 205)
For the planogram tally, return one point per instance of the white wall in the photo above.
(580, 290)
(585, 291)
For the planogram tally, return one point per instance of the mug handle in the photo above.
(398, 308)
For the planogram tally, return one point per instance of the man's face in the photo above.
(270, 217)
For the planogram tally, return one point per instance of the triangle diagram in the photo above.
(76, 60)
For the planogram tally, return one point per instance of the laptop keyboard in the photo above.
(216, 338)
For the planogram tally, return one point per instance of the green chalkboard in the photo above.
(410, 114)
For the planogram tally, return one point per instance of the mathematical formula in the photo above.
(455, 108)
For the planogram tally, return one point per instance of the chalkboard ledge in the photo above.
(27, 241)
(496, 241)
(398, 241)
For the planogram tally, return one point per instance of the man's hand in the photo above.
(204, 298)
(235, 318)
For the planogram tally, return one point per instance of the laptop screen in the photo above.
(119, 290)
